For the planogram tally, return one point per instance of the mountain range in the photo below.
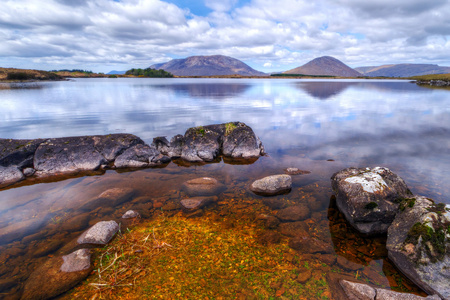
(213, 65)
(219, 65)
(403, 70)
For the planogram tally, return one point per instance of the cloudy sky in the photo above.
(269, 35)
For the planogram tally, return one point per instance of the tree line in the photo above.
(149, 72)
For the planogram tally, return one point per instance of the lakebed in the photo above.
(319, 126)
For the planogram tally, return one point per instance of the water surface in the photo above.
(316, 125)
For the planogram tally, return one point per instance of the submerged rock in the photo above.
(369, 198)
(130, 214)
(57, 275)
(361, 291)
(197, 202)
(203, 186)
(294, 213)
(272, 185)
(109, 198)
(419, 244)
(99, 234)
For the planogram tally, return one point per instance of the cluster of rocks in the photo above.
(62, 272)
(377, 201)
(50, 157)
(439, 83)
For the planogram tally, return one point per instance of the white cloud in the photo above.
(268, 35)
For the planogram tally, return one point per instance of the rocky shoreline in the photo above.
(58, 156)
(437, 83)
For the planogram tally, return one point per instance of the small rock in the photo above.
(304, 276)
(295, 171)
(204, 186)
(268, 237)
(270, 222)
(130, 214)
(307, 244)
(294, 213)
(294, 229)
(197, 202)
(99, 234)
(28, 172)
(272, 185)
(348, 265)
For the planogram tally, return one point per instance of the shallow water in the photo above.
(302, 123)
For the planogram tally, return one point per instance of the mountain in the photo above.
(207, 66)
(114, 72)
(325, 65)
(403, 70)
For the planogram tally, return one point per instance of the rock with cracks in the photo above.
(419, 244)
(369, 198)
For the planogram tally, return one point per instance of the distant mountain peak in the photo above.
(403, 70)
(212, 65)
(326, 66)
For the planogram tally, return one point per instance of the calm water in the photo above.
(302, 123)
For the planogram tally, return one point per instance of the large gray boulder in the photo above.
(140, 156)
(82, 153)
(57, 275)
(201, 144)
(272, 185)
(361, 291)
(9, 175)
(239, 141)
(99, 234)
(369, 198)
(419, 244)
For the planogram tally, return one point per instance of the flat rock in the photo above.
(140, 156)
(99, 234)
(111, 197)
(57, 275)
(296, 171)
(272, 185)
(294, 213)
(203, 186)
(197, 202)
(369, 198)
(418, 244)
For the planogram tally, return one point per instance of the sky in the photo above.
(268, 35)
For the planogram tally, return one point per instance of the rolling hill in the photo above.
(214, 65)
(326, 66)
(402, 70)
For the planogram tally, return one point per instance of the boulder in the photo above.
(140, 156)
(272, 185)
(197, 202)
(369, 198)
(112, 145)
(203, 186)
(172, 149)
(10, 175)
(57, 275)
(294, 213)
(130, 214)
(201, 144)
(239, 141)
(361, 291)
(18, 153)
(99, 234)
(419, 244)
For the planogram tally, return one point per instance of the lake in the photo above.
(318, 125)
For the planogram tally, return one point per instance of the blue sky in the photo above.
(104, 35)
